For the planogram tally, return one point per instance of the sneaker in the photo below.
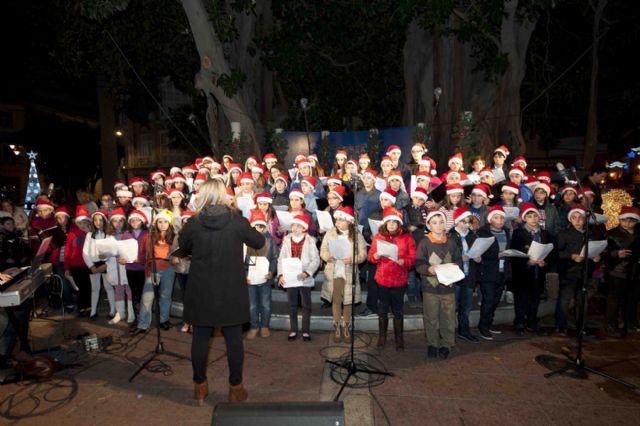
(292, 336)
(306, 337)
(562, 332)
(485, 334)
(443, 353)
(367, 313)
(495, 331)
(467, 336)
(251, 334)
(264, 332)
(432, 352)
(166, 325)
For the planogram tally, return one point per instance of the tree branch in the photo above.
(460, 14)
(333, 61)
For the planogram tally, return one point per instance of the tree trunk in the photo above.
(108, 145)
(591, 136)
(213, 64)
(432, 60)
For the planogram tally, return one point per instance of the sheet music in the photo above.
(291, 268)
(110, 247)
(511, 213)
(513, 253)
(245, 205)
(480, 246)
(374, 225)
(258, 270)
(389, 250)
(539, 251)
(285, 219)
(340, 248)
(380, 184)
(595, 248)
(324, 220)
(448, 273)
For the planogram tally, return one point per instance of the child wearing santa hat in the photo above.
(500, 169)
(339, 165)
(338, 272)
(392, 274)
(280, 190)
(438, 300)
(299, 244)
(623, 274)
(74, 266)
(453, 200)
(96, 265)
(137, 229)
(480, 195)
(549, 217)
(415, 217)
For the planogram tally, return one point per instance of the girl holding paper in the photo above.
(530, 273)
(96, 265)
(117, 272)
(392, 275)
(438, 300)
(338, 272)
(299, 244)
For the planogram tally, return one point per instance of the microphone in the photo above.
(50, 190)
(564, 173)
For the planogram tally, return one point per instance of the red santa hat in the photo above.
(502, 150)
(258, 168)
(433, 213)
(520, 161)
(207, 159)
(257, 218)
(187, 214)
(450, 173)
(419, 145)
(341, 153)
(301, 220)
(495, 210)
(391, 213)
(386, 159)
(269, 156)
(245, 178)
(178, 177)
(482, 189)
(141, 198)
(118, 185)
(511, 187)
(393, 149)
(567, 188)
(352, 161)
(389, 194)
(394, 175)
(139, 214)
(284, 178)
(371, 173)
(169, 179)
(544, 186)
(200, 178)
(124, 193)
(345, 213)
(334, 180)
(236, 167)
(175, 169)
(455, 159)
(364, 157)
(82, 214)
(423, 176)
(455, 188)
(429, 162)
(544, 176)
(310, 181)
(189, 169)
(296, 193)
(517, 170)
(527, 208)
(263, 197)
(63, 211)
(303, 162)
(627, 212)
(313, 157)
(420, 193)
(117, 213)
(338, 191)
(158, 173)
(136, 181)
(586, 190)
(577, 208)
(486, 172)
(224, 157)
(103, 213)
(173, 192)
(461, 213)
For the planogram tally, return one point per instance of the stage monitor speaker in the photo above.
(279, 413)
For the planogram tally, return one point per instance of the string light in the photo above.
(33, 184)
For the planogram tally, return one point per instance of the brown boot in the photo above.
(200, 391)
(346, 327)
(383, 325)
(337, 335)
(398, 326)
(237, 393)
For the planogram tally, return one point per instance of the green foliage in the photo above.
(278, 145)
(468, 136)
(99, 10)
(326, 151)
(231, 84)
(373, 148)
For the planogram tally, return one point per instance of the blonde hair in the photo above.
(212, 192)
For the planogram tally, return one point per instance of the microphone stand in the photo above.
(351, 365)
(576, 367)
(159, 349)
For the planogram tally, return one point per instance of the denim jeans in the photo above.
(166, 279)
(414, 287)
(464, 299)
(260, 305)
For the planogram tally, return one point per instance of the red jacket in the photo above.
(389, 273)
(73, 249)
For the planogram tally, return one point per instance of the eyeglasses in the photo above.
(416, 151)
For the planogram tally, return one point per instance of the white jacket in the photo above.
(89, 252)
(116, 273)
(310, 257)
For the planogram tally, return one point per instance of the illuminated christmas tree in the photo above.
(33, 185)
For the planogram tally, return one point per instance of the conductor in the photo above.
(216, 292)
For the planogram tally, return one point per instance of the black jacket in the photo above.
(490, 266)
(619, 239)
(521, 240)
(216, 293)
(472, 277)
(571, 241)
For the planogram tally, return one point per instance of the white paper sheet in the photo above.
(448, 273)
(291, 268)
(258, 270)
(595, 248)
(292, 172)
(340, 248)
(110, 247)
(281, 208)
(380, 184)
(285, 219)
(539, 251)
(480, 245)
(245, 205)
(389, 250)
(598, 219)
(511, 213)
(413, 184)
(324, 220)
(374, 225)
(360, 228)
(513, 253)
(128, 249)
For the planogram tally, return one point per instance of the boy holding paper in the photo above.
(438, 300)
(530, 273)
(392, 274)
(571, 265)
(298, 244)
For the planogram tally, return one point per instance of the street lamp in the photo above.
(304, 103)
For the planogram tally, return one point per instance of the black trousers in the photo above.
(622, 297)
(526, 297)
(491, 291)
(391, 297)
(372, 286)
(81, 277)
(200, 352)
(305, 300)
(136, 283)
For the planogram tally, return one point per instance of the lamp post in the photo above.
(304, 103)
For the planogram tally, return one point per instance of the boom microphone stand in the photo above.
(352, 365)
(576, 366)
(159, 349)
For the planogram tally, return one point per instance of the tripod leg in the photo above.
(612, 378)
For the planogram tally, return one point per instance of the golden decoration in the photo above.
(612, 202)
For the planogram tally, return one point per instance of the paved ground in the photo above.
(487, 383)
